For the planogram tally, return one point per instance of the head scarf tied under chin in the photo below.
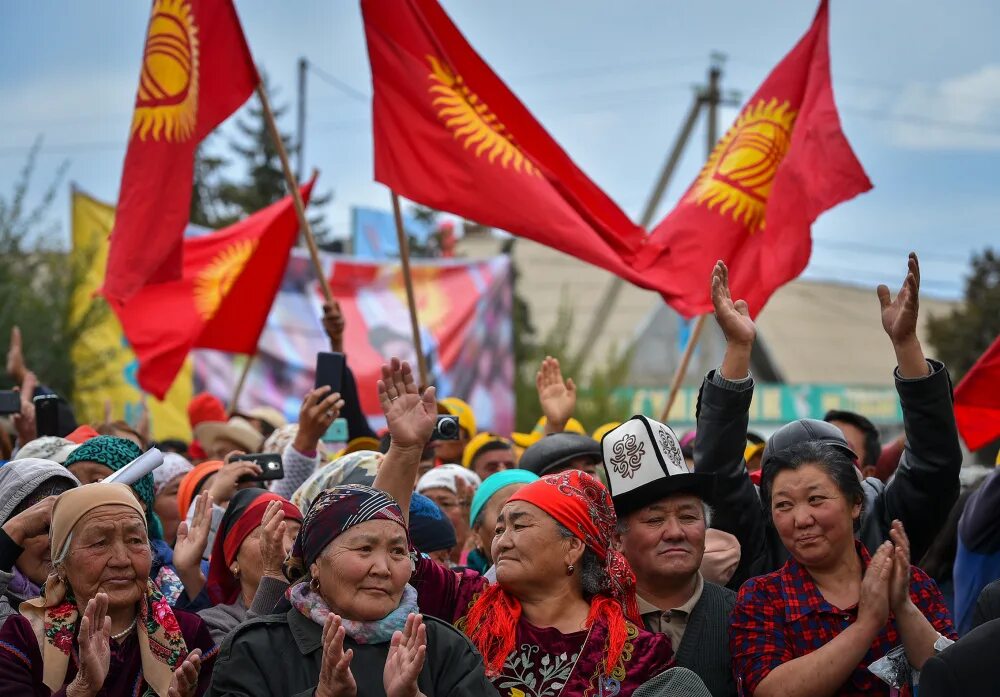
(115, 453)
(54, 616)
(583, 505)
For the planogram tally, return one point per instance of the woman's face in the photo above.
(529, 552)
(812, 516)
(362, 573)
(89, 472)
(165, 506)
(456, 510)
(109, 553)
(248, 557)
(486, 530)
(493, 461)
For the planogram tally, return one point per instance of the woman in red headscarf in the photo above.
(561, 617)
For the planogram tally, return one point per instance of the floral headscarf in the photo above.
(54, 616)
(356, 468)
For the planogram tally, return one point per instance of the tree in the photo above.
(207, 207)
(960, 337)
(265, 179)
(38, 281)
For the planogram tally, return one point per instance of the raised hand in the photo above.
(733, 317)
(272, 540)
(335, 677)
(334, 325)
(94, 639)
(142, 426)
(411, 417)
(226, 480)
(899, 320)
(31, 522)
(185, 680)
(407, 653)
(557, 396)
(873, 606)
(25, 422)
(319, 409)
(16, 367)
(899, 587)
(189, 548)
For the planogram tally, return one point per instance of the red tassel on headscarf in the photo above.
(492, 626)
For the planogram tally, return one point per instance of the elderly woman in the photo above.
(28, 489)
(486, 504)
(353, 628)
(245, 577)
(101, 626)
(815, 626)
(562, 616)
(451, 487)
(99, 458)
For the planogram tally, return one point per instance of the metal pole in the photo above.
(411, 299)
(293, 186)
(610, 297)
(300, 136)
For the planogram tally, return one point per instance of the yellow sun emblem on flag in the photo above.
(167, 102)
(740, 171)
(471, 121)
(214, 282)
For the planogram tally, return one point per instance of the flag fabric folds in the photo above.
(196, 71)
(977, 400)
(782, 163)
(221, 301)
(449, 134)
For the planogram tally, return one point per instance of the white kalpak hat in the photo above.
(644, 463)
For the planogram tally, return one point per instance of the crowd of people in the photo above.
(630, 561)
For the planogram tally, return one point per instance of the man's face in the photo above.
(855, 439)
(665, 541)
(451, 451)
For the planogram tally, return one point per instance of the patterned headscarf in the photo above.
(115, 453)
(356, 468)
(583, 505)
(173, 466)
(51, 448)
(334, 512)
(54, 616)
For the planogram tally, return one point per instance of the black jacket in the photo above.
(920, 494)
(987, 605)
(281, 655)
(968, 667)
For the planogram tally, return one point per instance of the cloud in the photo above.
(961, 113)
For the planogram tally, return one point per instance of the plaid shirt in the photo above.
(782, 616)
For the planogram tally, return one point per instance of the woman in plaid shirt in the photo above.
(813, 627)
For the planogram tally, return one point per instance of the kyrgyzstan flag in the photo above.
(449, 134)
(196, 71)
(784, 161)
(977, 400)
(221, 301)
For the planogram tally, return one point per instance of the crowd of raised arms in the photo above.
(636, 561)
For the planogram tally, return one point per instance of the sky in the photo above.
(917, 83)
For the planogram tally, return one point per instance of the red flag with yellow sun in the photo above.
(196, 71)
(781, 164)
(221, 301)
(449, 134)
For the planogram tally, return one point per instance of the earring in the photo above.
(570, 569)
(236, 570)
(314, 585)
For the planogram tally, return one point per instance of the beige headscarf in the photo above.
(54, 615)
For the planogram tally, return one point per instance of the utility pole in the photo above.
(300, 136)
(706, 97)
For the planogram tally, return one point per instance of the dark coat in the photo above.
(968, 667)
(988, 605)
(280, 656)
(704, 648)
(920, 494)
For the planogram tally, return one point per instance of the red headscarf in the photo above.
(583, 505)
(223, 587)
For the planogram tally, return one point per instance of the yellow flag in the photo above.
(104, 363)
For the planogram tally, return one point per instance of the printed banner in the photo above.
(105, 366)
(467, 334)
(374, 233)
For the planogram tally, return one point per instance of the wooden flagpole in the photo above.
(238, 390)
(681, 371)
(404, 258)
(293, 187)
